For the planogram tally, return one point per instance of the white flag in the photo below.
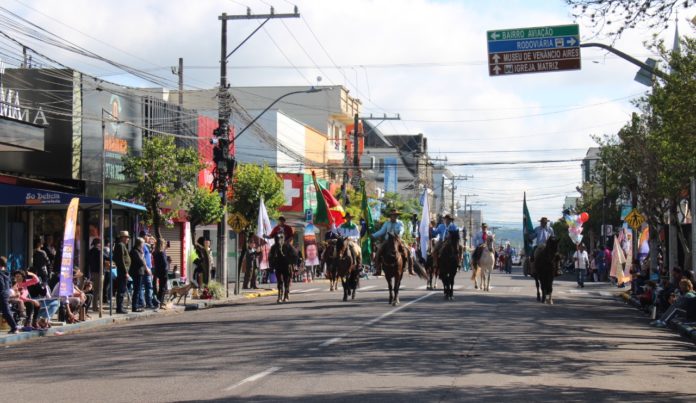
(263, 226)
(424, 228)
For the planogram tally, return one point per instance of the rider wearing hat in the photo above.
(480, 243)
(541, 234)
(287, 230)
(442, 232)
(393, 227)
(348, 229)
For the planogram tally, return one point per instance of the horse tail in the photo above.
(419, 269)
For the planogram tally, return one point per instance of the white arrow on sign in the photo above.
(496, 58)
(571, 41)
(496, 69)
(494, 35)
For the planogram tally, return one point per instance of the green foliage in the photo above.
(217, 290)
(163, 175)
(205, 208)
(407, 208)
(251, 183)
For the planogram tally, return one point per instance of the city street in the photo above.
(482, 346)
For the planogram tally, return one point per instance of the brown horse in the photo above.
(282, 258)
(331, 269)
(544, 269)
(393, 262)
(449, 261)
(431, 268)
(345, 262)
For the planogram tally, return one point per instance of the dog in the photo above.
(180, 292)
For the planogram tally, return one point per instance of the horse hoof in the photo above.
(353, 297)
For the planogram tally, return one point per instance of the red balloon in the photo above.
(584, 217)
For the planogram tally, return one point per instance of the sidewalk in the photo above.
(687, 330)
(106, 320)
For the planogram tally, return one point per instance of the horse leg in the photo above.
(389, 283)
(536, 282)
(279, 280)
(397, 285)
(550, 290)
(286, 285)
(345, 288)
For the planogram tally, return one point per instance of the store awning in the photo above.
(20, 196)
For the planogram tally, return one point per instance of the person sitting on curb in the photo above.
(687, 292)
(5, 293)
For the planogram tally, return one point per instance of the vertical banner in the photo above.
(424, 228)
(310, 244)
(66, 264)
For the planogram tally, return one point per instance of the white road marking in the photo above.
(606, 294)
(254, 378)
(303, 291)
(515, 289)
(457, 287)
(367, 287)
(338, 338)
(423, 287)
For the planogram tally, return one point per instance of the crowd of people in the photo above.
(29, 298)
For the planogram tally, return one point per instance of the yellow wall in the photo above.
(315, 152)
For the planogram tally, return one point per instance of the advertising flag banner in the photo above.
(66, 263)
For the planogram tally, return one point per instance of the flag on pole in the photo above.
(66, 264)
(329, 210)
(366, 241)
(527, 227)
(424, 227)
(263, 224)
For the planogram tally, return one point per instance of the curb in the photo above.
(685, 330)
(81, 326)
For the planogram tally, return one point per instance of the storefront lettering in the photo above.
(11, 107)
(115, 144)
(42, 198)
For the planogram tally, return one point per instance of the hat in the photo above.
(483, 224)
(448, 217)
(543, 219)
(347, 216)
(281, 218)
(394, 212)
(123, 233)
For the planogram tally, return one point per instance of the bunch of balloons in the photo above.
(575, 222)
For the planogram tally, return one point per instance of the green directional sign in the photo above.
(534, 32)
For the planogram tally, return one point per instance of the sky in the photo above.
(424, 60)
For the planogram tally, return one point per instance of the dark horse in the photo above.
(327, 258)
(431, 268)
(544, 269)
(281, 258)
(393, 263)
(344, 260)
(448, 262)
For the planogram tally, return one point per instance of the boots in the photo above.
(119, 303)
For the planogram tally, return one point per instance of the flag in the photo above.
(263, 224)
(366, 241)
(527, 227)
(424, 227)
(618, 259)
(66, 263)
(329, 211)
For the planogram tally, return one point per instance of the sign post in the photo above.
(533, 50)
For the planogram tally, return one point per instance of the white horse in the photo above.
(486, 262)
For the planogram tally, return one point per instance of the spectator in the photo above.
(122, 261)
(686, 291)
(161, 270)
(647, 297)
(41, 266)
(582, 262)
(5, 293)
(666, 297)
(137, 272)
(150, 300)
(27, 305)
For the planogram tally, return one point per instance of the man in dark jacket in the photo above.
(94, 262)
(122, 261)
(161, 270)
(5, 285)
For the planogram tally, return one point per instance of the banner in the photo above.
(66, 264)
(424, 228)
(311, 247)
(263, 227)
(527, 227)
(329, 210)
(369, 227)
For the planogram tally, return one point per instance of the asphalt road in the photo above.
(479, 347)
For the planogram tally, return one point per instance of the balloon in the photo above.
(584, 217)
(576, 238)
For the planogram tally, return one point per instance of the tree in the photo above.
(251, 183)
(205, 209)
(407, 207)
(162, 174)
(619, 15)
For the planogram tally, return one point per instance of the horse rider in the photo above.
(393, 227)
(288, 232)
(442, 232)
(348, 229)
(541, 234)
(480, 243)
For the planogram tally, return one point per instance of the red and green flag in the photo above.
(366, 241)
(329, 210)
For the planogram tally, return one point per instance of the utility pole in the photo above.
(224, 161)
(180, 73)
(468, 232)
(454, 179)
(692, 207)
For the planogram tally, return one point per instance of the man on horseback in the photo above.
(393, 227)
(541, 234)
(287, 230)
(348, 229)
(442, 232)
(480, 243)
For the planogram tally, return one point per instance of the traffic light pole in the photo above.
(223, 159)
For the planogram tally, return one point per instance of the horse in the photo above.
(331, 269)
(431, 268)
(393, 262)
(448, 262)
(346, 262)
(486, 262)
(544, 269)
(281, 258)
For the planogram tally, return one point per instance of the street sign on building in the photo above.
(533, 50)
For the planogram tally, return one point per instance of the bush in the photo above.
(216, 290)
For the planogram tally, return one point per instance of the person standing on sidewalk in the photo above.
(5, 287)
(137, 272)
(148, 290)
(123, 262)
(582, 262)
(161, 270)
